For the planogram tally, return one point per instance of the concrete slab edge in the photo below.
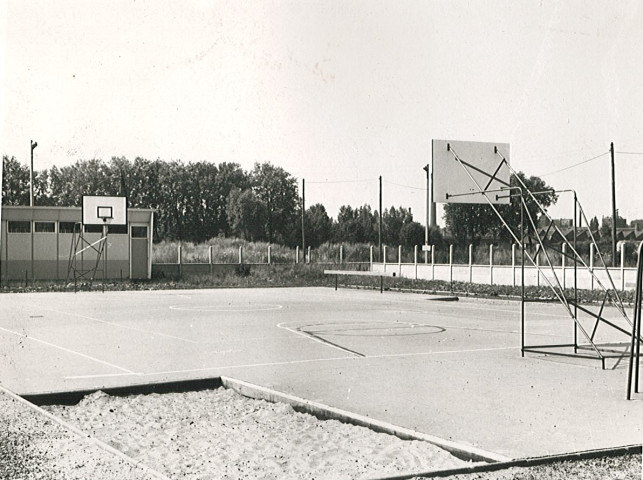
(462, 451)
(84, 435)
(520, 463)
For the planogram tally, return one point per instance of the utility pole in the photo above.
(613, 207)
(380, 220)
(303, 217)
(33, 146)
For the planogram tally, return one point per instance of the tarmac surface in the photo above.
(453, 370)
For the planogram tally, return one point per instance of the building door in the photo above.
(139, 251)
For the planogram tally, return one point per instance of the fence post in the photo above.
(210, 248)
(450, 263)
(622, 265)
(269, 254)
(491, 264)
(538, 266)
(399, 260)
(341, 254)
(470, 263)
(564, 250)
(384, 254)
(432, 262)
(308, 256)
(180, 260)
(297, 254)
(415, 260)
(513, 264)
(371, 257)
(591, 264)
(240, 254)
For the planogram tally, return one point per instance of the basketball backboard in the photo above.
(98, 210)
(482, 161)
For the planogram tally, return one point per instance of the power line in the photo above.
(404, 186)
(629, 153)
(347, 181)
(575, 165)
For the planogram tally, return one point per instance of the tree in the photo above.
(356, 225)
(411, 234)
(593, 225)
(470, 222)
(15, 182)
(319, 226)
(246, 214)
(277, 190)
(393, 220)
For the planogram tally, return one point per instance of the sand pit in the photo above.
(221, 434)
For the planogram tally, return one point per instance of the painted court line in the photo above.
(319, 340)
(68, 350)
(107, 322)
(296, 362)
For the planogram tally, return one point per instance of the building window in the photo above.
(66, 227)
(19, 226)
(93, 229)
(139, 232)
(117, 229)
(45, 227)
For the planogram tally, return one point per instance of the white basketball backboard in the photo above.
(99, 210)
(455, 163)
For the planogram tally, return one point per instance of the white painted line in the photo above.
(103, 375)
(250, 365)
(443, 352)
(315, 339)
(319, 360)
(64, 349)
(107, 322)
(253, 307)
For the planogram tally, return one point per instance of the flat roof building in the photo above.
(36, 244)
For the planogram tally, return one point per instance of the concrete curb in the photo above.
(89, 438)
(462, 451)
(520, 463)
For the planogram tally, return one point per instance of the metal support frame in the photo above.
(571, 305)
(635, 344)
(80, 244)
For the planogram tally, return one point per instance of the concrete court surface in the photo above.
(448, 369)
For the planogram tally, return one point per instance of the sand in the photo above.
(35, 447)
(220, 434)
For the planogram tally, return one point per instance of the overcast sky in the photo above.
(333, 90)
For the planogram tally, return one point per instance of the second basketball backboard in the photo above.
(104, 210)
(462, 170)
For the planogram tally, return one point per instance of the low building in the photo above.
(36, 243)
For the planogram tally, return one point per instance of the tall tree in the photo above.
(277, 189)
(319, 226)
(470, 222)
(15, 182)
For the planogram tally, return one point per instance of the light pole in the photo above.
(427, 169)
(33, 146)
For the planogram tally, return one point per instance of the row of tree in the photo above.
(198, 201)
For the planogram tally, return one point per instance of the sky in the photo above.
(335, 92)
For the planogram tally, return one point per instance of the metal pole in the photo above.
(428, 214)
(522, 275)
(613, 207)
(380, 220)
(575, 276)
(303, 215)
(31, 189)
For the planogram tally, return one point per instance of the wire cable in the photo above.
(347, 181)
(404, 186)
(575, 165)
